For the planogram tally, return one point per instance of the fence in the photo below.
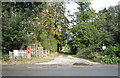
(23, 53)
(37, 51)
(18, 53)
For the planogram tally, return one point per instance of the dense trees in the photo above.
(50, 25)
(42, 23)
(84, 31)
(93, 30)
(17, 19)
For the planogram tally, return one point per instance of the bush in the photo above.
(49, 42)
(109, 56)
(33, 55)
(109, 60)
(5, 57)
(111, 50)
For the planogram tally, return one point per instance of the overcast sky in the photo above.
(100, 4)
(95, 4)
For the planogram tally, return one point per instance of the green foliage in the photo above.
(33, 55)
(66, 49)
(109, 60)
(91, 30)
(111, 50)
(109, 56)
(84, 32)
(50, 26)
(92, 52)
(5, 57)
(49, 42)
(17, 24)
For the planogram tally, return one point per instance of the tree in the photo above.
(17, 24)
(60, 22)
(51, 22)
(83, 32)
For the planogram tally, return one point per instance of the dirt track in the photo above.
(69, 60)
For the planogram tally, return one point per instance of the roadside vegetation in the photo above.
(45, 24)
(18, 61)
(33, 60)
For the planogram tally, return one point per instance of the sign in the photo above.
(15, 53)
(28, 49)
(103, 47)
(29, 52)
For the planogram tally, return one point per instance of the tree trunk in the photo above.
(22, 46)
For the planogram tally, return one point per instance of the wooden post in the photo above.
(36, 51)
(40, 51)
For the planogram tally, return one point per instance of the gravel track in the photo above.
(69, 60)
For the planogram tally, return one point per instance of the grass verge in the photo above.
(33, 60)
(18, 61)
(76, 56)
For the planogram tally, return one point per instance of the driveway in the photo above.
(69, 60)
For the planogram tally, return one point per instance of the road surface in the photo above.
(59, 70)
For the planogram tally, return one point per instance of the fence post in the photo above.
(36, 49)
(10, 54)
(44, 53)
(40, 51)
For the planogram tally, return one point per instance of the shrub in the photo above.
(5, 57)
(108, 56)
(110, 50)
(109, 60)
(33, 55)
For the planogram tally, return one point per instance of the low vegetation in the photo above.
(33, 60)
(25, 61)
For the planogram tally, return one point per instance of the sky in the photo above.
(95, 4)
(100, 4)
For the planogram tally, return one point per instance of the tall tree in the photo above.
(60, 22)
(17, 24)
(54, 22)
(83, 31)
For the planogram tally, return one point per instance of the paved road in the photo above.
(60, 70)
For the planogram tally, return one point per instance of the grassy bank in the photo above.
(25, 61)
(33, 60)
(76, 56)
(102, 59)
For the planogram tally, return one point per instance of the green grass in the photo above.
(65, 55)
(26, 61)
(76, 56)
(30, 61)
(54, 54)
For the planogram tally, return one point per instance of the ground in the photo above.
(61, 66)
(69, 60)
